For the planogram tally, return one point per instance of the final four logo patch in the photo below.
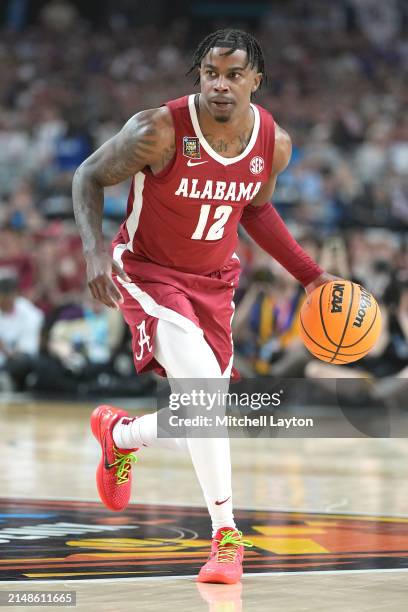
(191, 147)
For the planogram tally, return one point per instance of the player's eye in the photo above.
(235, 74)
(210, 73)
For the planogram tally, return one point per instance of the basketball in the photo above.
(340, 322)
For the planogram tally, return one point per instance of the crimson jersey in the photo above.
(186, 217)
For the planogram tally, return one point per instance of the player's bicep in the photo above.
(282, 151)
(281, 157)
(128, 152)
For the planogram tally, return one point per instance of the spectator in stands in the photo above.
(15, 256)
(20, 325)
(82, 352)
(266, 326)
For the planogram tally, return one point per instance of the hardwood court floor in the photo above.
(47, 452)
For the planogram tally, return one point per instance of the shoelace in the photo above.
(124, 465)
(228, 546)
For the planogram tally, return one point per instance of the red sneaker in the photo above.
(113, 476)
(225, 562)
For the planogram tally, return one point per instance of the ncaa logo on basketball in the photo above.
(256, 165)
(337, 298)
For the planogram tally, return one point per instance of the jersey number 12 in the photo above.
(216, 230)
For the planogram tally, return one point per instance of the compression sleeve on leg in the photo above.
(266, 227)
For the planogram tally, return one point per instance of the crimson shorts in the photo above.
(188, 300)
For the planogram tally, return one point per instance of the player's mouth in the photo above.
(222, 104)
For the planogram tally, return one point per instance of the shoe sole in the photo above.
(95, 421)
(212, 580)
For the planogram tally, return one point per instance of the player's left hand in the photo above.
(320, 280)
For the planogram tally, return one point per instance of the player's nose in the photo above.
(221, 84)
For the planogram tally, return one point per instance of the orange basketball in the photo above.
(340, 322)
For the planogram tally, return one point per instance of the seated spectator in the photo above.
(22, 213)
(85, 334)
(20, 325)
(82, 352)
(266, 326)
(60, 284)
(15, 257)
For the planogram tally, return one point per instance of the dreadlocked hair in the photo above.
(232, 40)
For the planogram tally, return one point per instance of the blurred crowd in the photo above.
(337, 82)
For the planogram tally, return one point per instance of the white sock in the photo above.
(212, 464)
(142, 431)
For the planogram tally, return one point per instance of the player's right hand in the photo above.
(99, 268)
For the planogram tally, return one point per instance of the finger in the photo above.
(109, 293)
(114, 293)
(102, 294)
(111, 287)
(120, 272)
(94, 291)
(109, 300)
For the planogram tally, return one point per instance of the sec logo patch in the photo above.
(256, 165)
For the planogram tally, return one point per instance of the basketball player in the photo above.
(200, 164)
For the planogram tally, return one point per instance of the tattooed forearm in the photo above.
(87, 196)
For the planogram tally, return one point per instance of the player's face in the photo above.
(227, 82)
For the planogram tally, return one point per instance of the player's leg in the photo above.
(141, 432)
(182, 354)
(187, 355)
(190, 356)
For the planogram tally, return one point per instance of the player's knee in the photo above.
(199, 363)
(185, 354)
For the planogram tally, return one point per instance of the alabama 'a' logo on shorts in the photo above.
(256, 165)
(144, 341)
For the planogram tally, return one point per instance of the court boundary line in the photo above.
(245, 576)
(197, 505)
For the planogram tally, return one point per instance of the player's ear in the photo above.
(257, 82)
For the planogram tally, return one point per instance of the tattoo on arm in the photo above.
(126, 153)
(138, 144)
(167, 155)
(87, 197)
